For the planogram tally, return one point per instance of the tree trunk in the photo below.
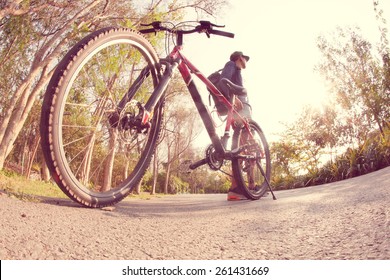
(45, 174)
(32, 157)
(167, 176)
(138, 188)
(109, 166)
(18, 112)
(155, 171)
(25, 96)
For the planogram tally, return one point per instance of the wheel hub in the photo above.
(129, 121)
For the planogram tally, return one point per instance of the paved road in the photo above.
(345, 220)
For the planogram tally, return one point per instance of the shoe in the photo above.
(233, 196)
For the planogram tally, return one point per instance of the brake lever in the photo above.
(206, 27)
(202, 28)
(219, 26)
(210, 24)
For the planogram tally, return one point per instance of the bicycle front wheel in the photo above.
(252, 167)
(93, 148)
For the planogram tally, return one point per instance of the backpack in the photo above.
(214, 78)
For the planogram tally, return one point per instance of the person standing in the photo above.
(232, 72)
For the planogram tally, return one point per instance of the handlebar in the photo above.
(202, 27)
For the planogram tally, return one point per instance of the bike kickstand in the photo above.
(270, 189)
(267, 181)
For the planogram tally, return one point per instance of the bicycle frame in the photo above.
(176, 60)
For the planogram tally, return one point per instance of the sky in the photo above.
(280, 38)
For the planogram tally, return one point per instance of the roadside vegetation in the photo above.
(350, 135)
(14, 184)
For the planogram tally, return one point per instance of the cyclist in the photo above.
(232, 72)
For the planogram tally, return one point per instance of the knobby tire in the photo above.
(95, 161)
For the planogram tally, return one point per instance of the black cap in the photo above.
(235, 55)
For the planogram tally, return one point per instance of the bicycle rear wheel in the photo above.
(252, 167)
(94, 150)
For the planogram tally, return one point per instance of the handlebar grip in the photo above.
(208, 23)
(222, 33)
(154, 24)
(144, 31)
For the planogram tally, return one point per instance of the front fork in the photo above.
(141, 121)
(170, 66)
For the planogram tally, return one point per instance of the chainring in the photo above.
(213, 160)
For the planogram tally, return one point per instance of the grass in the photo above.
(24, 189)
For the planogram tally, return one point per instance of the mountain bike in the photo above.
(103, 111)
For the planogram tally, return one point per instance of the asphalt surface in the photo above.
(344, 220)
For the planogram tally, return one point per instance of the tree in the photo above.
(284, 156)
(309, 135)
(19, 7)
(37, 44)
(359, 79)
(353, 128)
(384, 52)
(181, 130)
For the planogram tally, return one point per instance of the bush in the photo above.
(372, 155)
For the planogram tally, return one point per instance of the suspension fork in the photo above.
(142, 119)
(170, 66)
(133, 89)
